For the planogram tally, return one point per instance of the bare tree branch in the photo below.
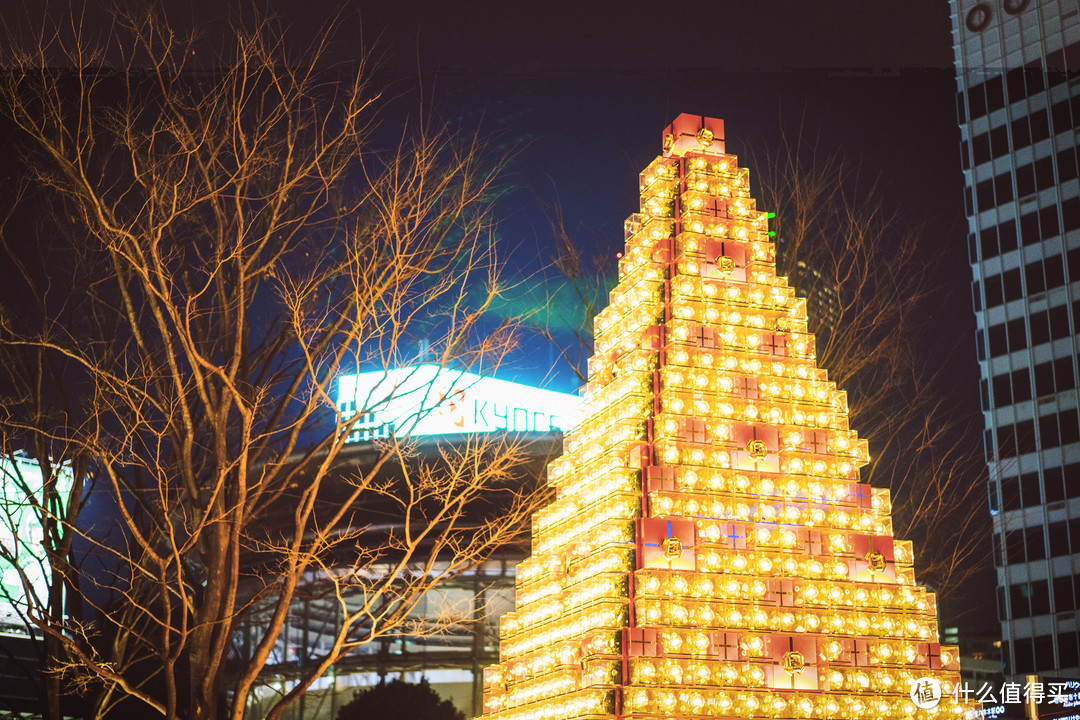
(241, 246)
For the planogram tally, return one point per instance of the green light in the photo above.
(770, 215)
(772, 233)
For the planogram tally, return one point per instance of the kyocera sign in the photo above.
(429, 400)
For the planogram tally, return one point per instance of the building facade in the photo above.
(1018, 104)
(452, 633)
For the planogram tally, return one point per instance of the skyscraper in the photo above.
(1018, 102)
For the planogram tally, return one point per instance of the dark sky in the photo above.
(514, 36)
(769, 34)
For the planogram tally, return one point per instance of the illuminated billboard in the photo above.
(20, 537)
(430, 400)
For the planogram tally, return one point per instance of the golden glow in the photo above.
(710, 551)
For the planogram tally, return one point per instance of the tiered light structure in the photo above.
(711, 552)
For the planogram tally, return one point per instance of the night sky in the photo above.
(581, 91)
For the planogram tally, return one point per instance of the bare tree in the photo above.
(575, 299)
(868, 274)
(44, 470)
(240, 246)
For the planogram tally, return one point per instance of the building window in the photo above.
(995, 94)
(1029, 598)
(1021, 385)
(1003, 188)
(988, 239)
(1025, 181)
(1010, 284)
(1039, 122)
(1067, 654)
(1014, 548)
(1002, 394)
(999, 342)
(1030, 496)
(1061, 116)
(984, 194)
(1054, 488)
(1029, 228)
(1025, 437)
(1050, 325)
(1072, 489)
(977, 100)
(1007, 237)
(1054, 376)
(1021, 133)
(1049, 222)
(1010, 497)
(1048, 432)
(1035, 540)
(1054, 270)
(1066, 161)
(1070, 217)
(1015, 440)
(1044, 652)
(994, 294)
(980, 148)
(1069, 426)
(1058, 534)
(1010, 388)
(1059, 322)
(1017, 334)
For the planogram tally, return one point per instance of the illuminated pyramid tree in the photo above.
(711, 552)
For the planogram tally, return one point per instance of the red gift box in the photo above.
(724, 645)
(724, 260)
(794, 662)
(757, 448)
(693, 430)
(781, 592)
(861, 653)
(703, 336)
(681, 136)
(736, 535)
(862, 495)
(874, 559)
(815, 441)
(661, 477)
(667, 544)
(641, 642)
(746, 387)
(774, 344)
(714, 206)
(810, 540)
